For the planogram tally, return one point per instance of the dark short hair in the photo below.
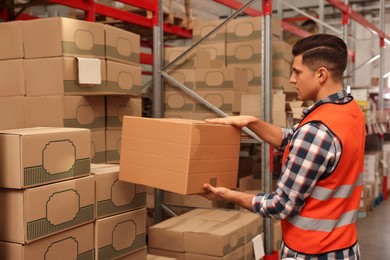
(323, 50)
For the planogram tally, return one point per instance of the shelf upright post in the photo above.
(382, 83)
(90, 13)
(345, 23)
(266, 64)
(158, 91)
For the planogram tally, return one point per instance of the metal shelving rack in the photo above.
(159, 28)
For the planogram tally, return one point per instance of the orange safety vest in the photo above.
(327, 220)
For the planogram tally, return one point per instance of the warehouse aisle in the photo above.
(374, 233)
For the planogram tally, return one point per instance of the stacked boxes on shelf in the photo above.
(120, 227)
(48, 194)
(64, 72)
(206, 234)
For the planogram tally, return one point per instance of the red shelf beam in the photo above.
(357, 17)
(143, 4)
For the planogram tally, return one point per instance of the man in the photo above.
(318, 193)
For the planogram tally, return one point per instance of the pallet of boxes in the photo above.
(68, 84)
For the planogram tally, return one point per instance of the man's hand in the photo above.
(215, 193)
(239, 121)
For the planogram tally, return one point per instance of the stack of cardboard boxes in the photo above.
(234, 49)
(64, 72)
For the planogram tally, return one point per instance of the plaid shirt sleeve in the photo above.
(314, 152)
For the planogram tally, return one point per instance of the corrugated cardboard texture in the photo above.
(11, 43)
(120, 106)
(58, 36)
(75, 243)
(114, 196)
(85, 111)
(44, 111)
(120, 234)
(202, 28)
(35, 156)
(11, 112)
(243, 52)
(38, 212)
(12, 77)
(185, 154)
(122, 46)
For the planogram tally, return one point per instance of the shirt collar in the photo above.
(338, 97)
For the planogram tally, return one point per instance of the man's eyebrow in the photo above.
(296, 70)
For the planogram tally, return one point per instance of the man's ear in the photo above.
(322, 74)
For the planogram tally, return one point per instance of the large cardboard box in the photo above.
(121, 45)
(178, 100)
(76, 243)
(98, 146)
(14, 119)
(185, 154)
(243, 52)
(113, 145)
(11, 40)
(249, 28)
(253, 71)
(184, 76)
(119, 106)
(44, 111)
(36, 156)
(283, 83)
(227, 100)
(282, 50)
(178, 114)
(41, 211)
(281, 68)
(238, 253)
(217, 52)
(85, 112)
(59, 36)
(121, 234)
(58, 76)
(137, 255)
(196, 58)
(114, 196)
(213, 232)
(219, 79)
(252, 104)
(158, 257)
(202, 28)
(207, 115)
(123, 79)
(12, 77)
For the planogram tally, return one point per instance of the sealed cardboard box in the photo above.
(11, 40)
(207, 115)
(157, 257)
(123, 79)
(212, 232)
(219, 79)
(44, 111)
(41, 211)
(184, 76)
(85, 112)
(75, 243)
(14, 119)
(184, 154)
(113, 145)
(121, 45)
(253, 72)
(249, 28)
(114, 196)
(238, 253)
(283, 83)
(252, 104)
(98, 146)
(202, 28)
(12, 77)
(59, 36)
(227, 100)
(36, 156)
(281, 68)
(282, 50)
(178, 100)
(166, 254)
(127, 234)
(243, 52)
(217, 52)
(197, 58)
(119, 106)
(61, 75)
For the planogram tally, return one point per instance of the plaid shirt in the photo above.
(314, 153)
